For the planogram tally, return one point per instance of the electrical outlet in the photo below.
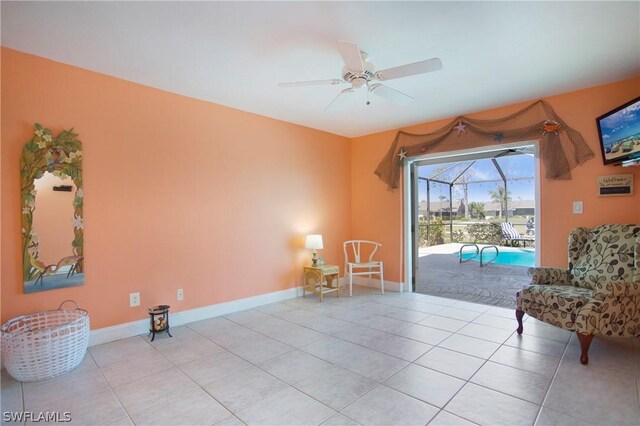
(134, 299)
(180, 294)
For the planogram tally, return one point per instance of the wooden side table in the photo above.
(321, 279)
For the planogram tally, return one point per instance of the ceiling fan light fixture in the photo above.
(358, 82)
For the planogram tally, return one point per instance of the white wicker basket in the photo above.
(46, 344)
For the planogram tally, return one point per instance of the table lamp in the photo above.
(314, 241)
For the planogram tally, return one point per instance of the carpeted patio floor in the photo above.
(440, 274)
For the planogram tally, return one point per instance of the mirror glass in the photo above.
(52, 222)
(53, 217)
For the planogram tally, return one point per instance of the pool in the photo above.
(513, 258)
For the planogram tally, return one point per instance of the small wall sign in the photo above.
(615, 185)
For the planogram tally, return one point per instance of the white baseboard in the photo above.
(375, 283)
(134, 328)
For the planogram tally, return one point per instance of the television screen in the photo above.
(620, 133)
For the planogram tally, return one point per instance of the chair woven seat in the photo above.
(364, 265)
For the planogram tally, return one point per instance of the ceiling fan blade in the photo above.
(332, 82)
(339, 100)
(390, 94)
(433, 64)
(351, 54)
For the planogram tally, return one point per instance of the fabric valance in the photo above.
(561, 147)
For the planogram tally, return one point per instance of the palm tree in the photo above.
(476, 209)
(500, 195)
(464, 183)
(442, 208)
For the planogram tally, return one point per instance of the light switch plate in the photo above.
(180, 294)
(577, 207)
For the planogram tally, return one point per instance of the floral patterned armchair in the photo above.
(598, 294)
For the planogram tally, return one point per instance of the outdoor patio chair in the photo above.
(598, 294)
(370, 267)
(52, 269)
(509, 233)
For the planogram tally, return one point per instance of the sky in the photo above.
(516, 166)
(623, 123)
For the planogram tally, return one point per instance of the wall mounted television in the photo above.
(619, 132)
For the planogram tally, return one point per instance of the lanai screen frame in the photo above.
(453, 182)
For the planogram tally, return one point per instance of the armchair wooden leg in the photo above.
(585, 342)
(519, 315)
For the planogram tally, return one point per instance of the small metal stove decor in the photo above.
(158, 320)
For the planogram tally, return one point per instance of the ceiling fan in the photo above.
(359, 73)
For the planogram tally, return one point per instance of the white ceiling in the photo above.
(236, 53)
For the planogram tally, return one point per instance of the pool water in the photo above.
(513, 258)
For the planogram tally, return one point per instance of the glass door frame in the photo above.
(410, 198)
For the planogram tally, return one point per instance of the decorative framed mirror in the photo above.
(52, 219)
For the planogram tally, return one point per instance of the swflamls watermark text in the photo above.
(36, 416)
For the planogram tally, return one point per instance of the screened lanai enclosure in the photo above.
(475, 232)
(481, 191)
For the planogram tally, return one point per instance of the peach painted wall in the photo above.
(376, 213)
(179, 193)
(53, 218)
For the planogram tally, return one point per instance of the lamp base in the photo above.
(317, 261)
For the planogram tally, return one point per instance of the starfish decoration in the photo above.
(461, 128)
(499, 137)
(402, 154)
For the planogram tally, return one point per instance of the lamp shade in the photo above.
(313, 241)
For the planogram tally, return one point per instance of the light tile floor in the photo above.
(397, 359)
